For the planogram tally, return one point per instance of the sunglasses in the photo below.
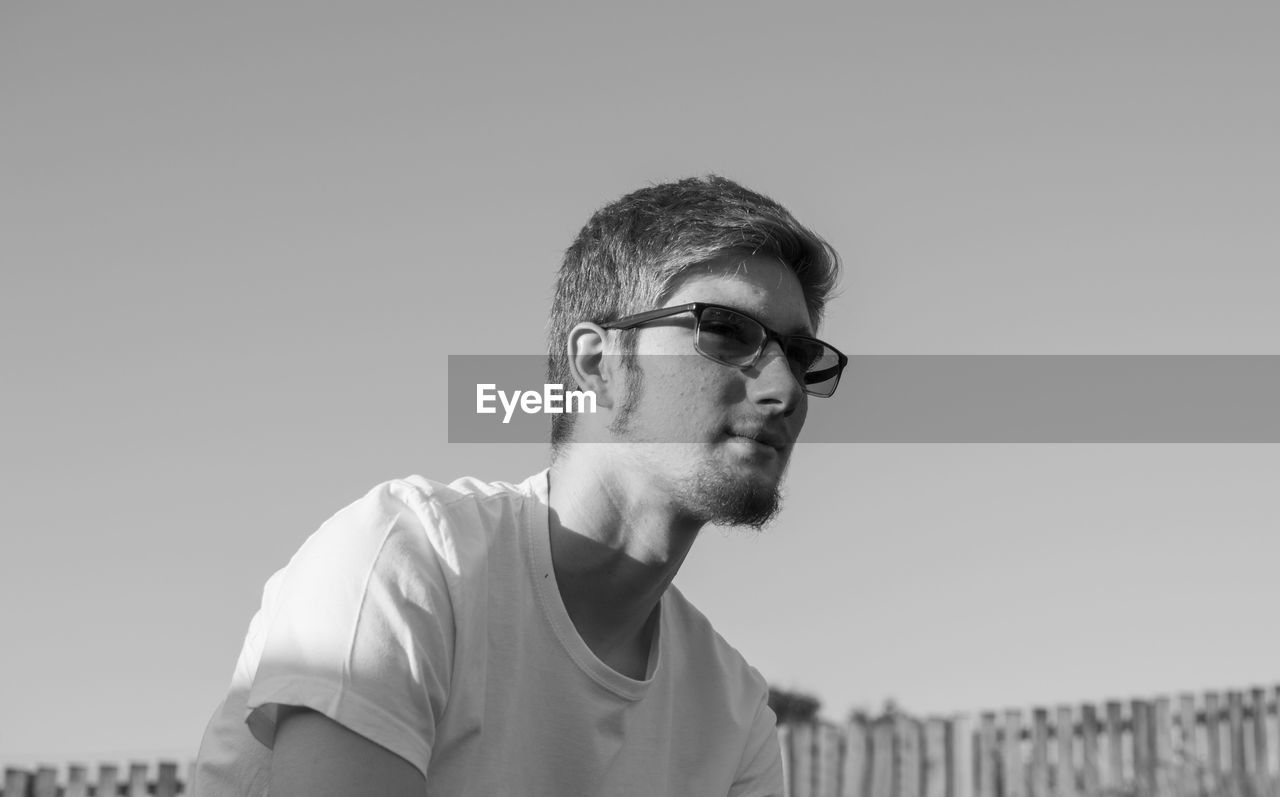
(731, 337)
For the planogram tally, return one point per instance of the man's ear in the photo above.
(592, 368)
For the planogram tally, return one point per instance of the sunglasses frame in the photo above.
(697, 308)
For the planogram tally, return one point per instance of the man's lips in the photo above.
(774, 439)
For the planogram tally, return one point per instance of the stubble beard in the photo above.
(724, 500)
(714, 495)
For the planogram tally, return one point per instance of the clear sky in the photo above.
(238, 240)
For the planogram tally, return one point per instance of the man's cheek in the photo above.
(799, 417)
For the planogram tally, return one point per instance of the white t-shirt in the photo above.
(426, 618)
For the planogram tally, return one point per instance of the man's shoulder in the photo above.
(700, 647)
(435, 503)
(414, 517)
(467, 488)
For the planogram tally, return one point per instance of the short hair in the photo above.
(628, 256)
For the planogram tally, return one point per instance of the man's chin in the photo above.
(738, 496)
(762, 467)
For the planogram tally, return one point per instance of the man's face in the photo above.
(718, 438)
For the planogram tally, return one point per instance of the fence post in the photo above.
(1143, 764)
(827, 781)
(853, 777)
(1039, 780)
(1273, 745)
(1090, 777)
(1273, 748)
(907, 736)
(961, 757)
(882, 758)
(1260, 779)
(1115, 779)
(802, 760)
(137, 779)
(1218, 762)
(1235, 723)
(46, 783)
(77, 781)
(1014, 780)
(15, 782)
(107, 784)
(167, 780)
(1162, 739)
(1189, 753)
(988, 757)
(935, 758)
(1064, 730)
(1250, 753)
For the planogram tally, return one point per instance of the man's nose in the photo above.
(774, 381)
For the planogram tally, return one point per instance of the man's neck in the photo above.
(615, 546)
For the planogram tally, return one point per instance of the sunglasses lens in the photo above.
(816, 365)
(728, 336)
(735, 339)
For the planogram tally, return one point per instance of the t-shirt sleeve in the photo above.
(361, 626)
(760, 774)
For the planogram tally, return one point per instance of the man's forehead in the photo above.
(757, 284)
(740, 263)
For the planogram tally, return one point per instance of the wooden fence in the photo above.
(1211, 745)
(111, 780)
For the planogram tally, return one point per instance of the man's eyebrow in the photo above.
(797, 329)
(803, 329)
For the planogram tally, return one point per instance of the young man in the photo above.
(497, 639)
